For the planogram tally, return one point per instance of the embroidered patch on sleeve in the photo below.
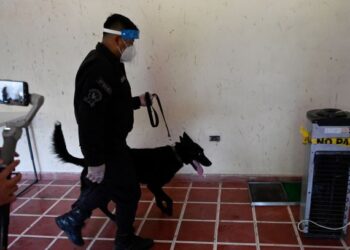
(93, 97)
(122, 79)
(104, 86)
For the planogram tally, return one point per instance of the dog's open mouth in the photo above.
(198, 167)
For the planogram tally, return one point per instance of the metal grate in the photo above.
(329, 193)
(267, 193)
(274, 193)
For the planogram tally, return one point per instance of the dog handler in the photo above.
(103, 107)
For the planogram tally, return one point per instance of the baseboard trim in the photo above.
(185, 177)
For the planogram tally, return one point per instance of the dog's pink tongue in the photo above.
(200, 170)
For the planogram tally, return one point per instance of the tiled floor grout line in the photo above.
(224, 203)
(44, 199)
(21, 205)
(54, 215)
(146, 201)
(52, 237)
(170, 219)
(277, 245)
(217, 219)
(185, 187)
(145, 217)
(61, 233)
(177, 230)
(24, 182)
(99, 232)
(53, 185)
(54, 240)
(237, 244)
(324, 247)
(180, 222)
(214, 188)
(59, 237)
(167, 219)
(295, 228)
(144, 187)
(344, 244)
(22, 185)
(29, 198)
(256, 230)
(215, 202)
(103, 227)
(41, 216)
(309, 246)
(35, 236)
(197, 242)
(206, 188)
(194, 242)
(252, 221)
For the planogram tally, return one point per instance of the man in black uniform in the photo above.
(103, 107)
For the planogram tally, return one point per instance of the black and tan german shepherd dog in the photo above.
(155, 167)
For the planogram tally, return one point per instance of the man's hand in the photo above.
(143, 100)
(96, 174)
(8, 187)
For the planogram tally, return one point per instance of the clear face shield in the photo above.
(129, 52)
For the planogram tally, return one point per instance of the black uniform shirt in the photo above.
(103, 105)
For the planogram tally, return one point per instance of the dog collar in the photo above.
(177, 156)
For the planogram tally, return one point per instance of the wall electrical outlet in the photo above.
(214, 138)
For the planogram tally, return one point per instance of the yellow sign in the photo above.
(341, 141)
(305, 134)
(335, 141)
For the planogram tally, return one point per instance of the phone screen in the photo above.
(14, 93)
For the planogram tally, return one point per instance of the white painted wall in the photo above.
(247, 70)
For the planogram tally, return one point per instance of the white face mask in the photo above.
(128, 54)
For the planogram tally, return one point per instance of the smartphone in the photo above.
(14, 93)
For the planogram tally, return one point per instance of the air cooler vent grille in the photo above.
(329, 193)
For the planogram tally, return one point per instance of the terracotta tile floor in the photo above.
(208, 214)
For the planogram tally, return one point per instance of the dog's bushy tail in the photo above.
(60, 148)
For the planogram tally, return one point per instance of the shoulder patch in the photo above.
(104, 86)
(93, 97)
(122, 79)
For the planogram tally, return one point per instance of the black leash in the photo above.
(152, 112)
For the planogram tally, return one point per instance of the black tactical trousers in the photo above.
(119, 185)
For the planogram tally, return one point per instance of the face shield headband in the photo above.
(125, 33)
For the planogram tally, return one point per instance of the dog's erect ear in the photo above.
(181, 139)
(186, 137)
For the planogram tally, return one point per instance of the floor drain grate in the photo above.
(274, 193)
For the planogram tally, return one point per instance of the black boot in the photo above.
(132, 242)
(72, 223)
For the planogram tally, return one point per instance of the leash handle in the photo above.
(151, 111)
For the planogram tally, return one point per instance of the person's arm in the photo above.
(136, 102)
(8, 187)
(139, 101)
(92, 107)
